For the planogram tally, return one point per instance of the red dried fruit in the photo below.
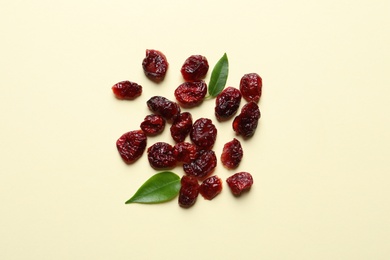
(227, 103)
(153, 124)
(202, 166)
(190, 94)
(240, 182)
(232, 154)
(163, 106)
(131, 145)
(203, 133)
(181, 126)
(250, 86)
(185, 152)
(246, 122)
(155, 65)
(210, 187)
(127, 90)
(195, 68)
(161, 156)
(189, 191)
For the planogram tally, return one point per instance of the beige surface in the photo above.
(320, 157)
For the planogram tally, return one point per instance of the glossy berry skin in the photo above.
(188, 192)
(245, 123)
(227, 103)
(195, 68)
(232, 154)
(155, 65)
(131, 145)
(191, 94)
(202, 166)
(250, 86)
(203, 133)
(153, 124)
(210, 187)
(127, 90)
(163, 106)
(240, 182)
(181, 126)
(161, 156)
(185, 152)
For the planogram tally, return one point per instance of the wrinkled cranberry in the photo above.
(232, 154)
(250, 86)
(131, 145)
(203, 133)
(181, 127)
(190, 94)
(153, 124)
(161, 156)
(202, 166)
(240, 182)
(185, 152)
(227, 103)
(195, 68)
(210, 187)
(163, 106)
(127, 90)
(189, 191)
(155, 65)
(246, 122)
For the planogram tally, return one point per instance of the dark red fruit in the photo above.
(181, 126)
(163, 106)
(127, 90)
(189, 191)
(161, 156)
(202, 166)
(190, 94)
(210, 187)
(185, 152)
(153, 124)
(245, 123)
(240, 182)
(227, 103)
(203, 133)
(195, 68)
(250, 86)
(232, 154)
(131, 145)
(155, 65)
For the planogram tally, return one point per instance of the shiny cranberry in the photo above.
(153, 124)
(240, 182)
(203, 133)
(161, 156)
(127, 90)
(195, 68)
(245, 123)
(210, 187)
(189, 191)
(250, 86)
(185, 152)
(163, 106)
(131, 145)
(181, 127)
(232, 154)
(190, 94)
(155, 65)
(227, 103)
(202, 166)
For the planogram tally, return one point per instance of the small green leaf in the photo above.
(219, 76)
(161, 187)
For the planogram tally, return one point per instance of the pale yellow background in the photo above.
(320, 157)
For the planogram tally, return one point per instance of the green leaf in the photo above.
(219, 76)
(161, 187)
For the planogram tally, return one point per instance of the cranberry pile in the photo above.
(196, 157)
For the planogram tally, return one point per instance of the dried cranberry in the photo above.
(161, 156)
(202, 166)
(185, 152)
(240, 182)
(195, 68)
(227, 103)
(203, 133)
(131, 145)
(250, 86)
(153, 124)
(190, 94)
(155, 65)
(181, 126)
(210, 187)
(127, 90)
(232, 154)
(189, 191)
(246, 122)
(163, 106)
